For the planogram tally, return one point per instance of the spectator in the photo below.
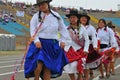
(0, 17)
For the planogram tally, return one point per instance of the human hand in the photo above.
(96, 49)
(62, 44)
(38, 44)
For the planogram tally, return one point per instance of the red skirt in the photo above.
(94, 58)
(92, 55)
(73, 55)
(108, 55)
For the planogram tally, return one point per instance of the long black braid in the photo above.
(53, 13)
(39, 17)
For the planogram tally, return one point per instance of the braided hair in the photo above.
(40, 18)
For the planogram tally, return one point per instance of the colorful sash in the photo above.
(75, 37)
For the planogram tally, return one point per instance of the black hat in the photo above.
(85, 15)
(73, 12)
(41, 1)
(112, 27)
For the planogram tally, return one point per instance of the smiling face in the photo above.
(101, 23)
(83, 20)
(73, 19)
(43, 7)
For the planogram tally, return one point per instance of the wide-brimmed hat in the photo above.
(84, 15)
(73, 12)
(41, 1)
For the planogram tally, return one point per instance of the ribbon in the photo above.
(19, 67)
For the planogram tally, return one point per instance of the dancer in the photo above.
(112, 62)
(94, 58)
(76, 46)
(45, 57)
(108, 43)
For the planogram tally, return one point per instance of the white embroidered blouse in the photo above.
(82, 34)
(107, 37)
(50, 27)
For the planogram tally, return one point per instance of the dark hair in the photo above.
(113, 26)
(50, 12)
(103, 22)
(88, 21)
(78, 22)
(109, 24)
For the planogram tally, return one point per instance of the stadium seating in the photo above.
(64, 19)
(115, 21)
(14, 28)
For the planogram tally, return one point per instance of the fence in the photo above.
(7, 42)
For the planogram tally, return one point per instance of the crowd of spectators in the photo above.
(6, 18)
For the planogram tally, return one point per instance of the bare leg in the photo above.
(107, 70)
(101, 71)
(86, 74)
(112, 68)
(47, 74)
(91, 74)
(80, 77)
(72, 76)
(38, 70)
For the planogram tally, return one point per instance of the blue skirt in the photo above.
(52, 56)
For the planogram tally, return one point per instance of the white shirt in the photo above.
(118, 47)
(92, 33)
(107, 37)
(82, 34)
(50, 27)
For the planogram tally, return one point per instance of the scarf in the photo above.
(75, 36)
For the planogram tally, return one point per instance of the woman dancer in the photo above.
(94, 58)
(112, 62)
(76, 46)
(45, 57)
(108, 42)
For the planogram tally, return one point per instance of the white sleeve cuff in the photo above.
(36, 40)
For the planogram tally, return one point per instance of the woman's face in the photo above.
(83, 20)
(73, 19)
(101, 24)
(43, 7)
